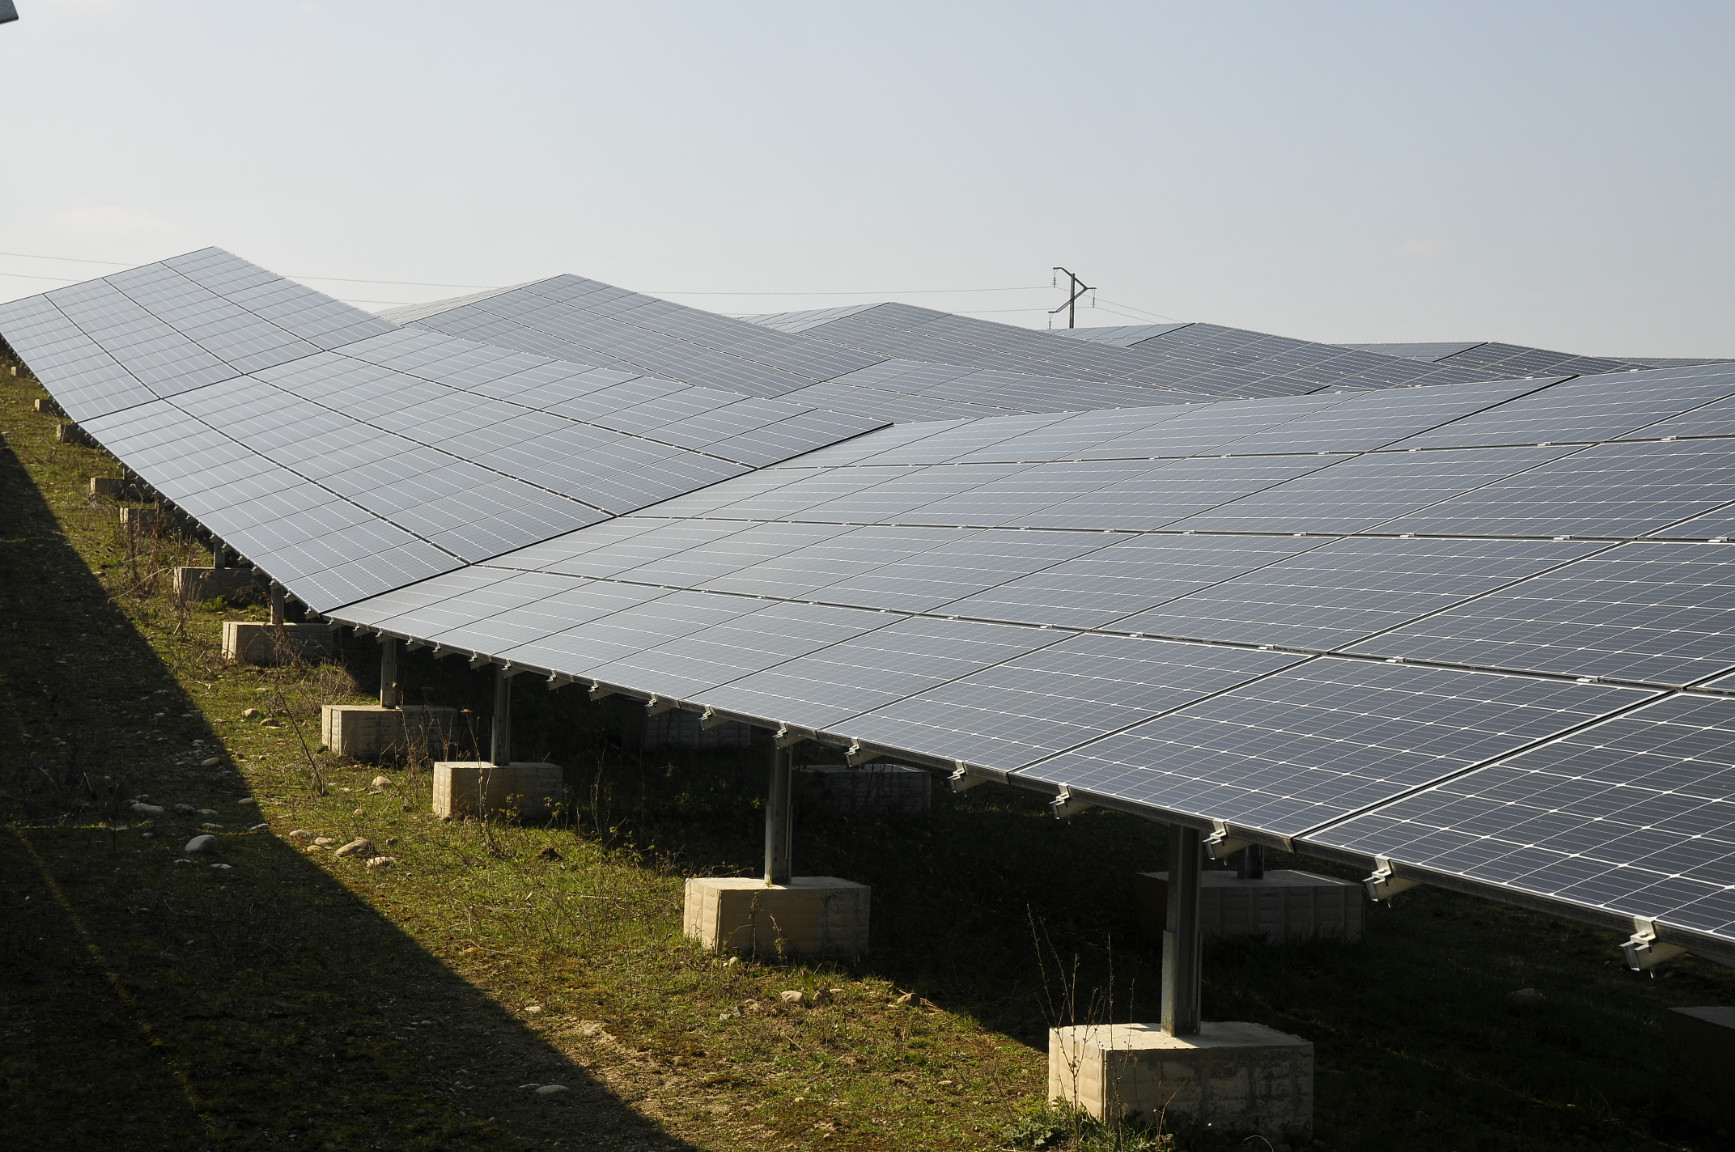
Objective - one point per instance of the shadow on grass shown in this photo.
(150, 1001)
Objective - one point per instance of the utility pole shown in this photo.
(1079, 288)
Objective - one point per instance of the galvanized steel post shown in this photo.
(1181, 935)
(779, 826)
(501, 752)
(389, 696)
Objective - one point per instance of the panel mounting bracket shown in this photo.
(559, 680)
(1385, 883)
(787, 737)
(961, 780)
(412, 645)
(656, 706)
(1644, 951)
(478, 660)
(855, 756)
(599, 691)
(1220, 844)
(709, 719)
(1065, 807)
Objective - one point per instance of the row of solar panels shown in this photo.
(1488, 359)
(1340, 621)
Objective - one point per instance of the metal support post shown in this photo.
(278, 600)
(389, 696)
(219, 556)
(1252, 866)
(1181, 935)
(501, 752)
(779, 825)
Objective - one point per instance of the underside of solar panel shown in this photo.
(1465, 608)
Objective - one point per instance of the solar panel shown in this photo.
(1586, 410)
(906, 657)
(1615, 490)
(1078, 690)
(1349, 589)
(1323, 740)
(1126, 575)
(1656, 613)
(1362, 492)
(1634, 815)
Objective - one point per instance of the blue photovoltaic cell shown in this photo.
(1635, 816)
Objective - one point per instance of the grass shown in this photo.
(297, 1000)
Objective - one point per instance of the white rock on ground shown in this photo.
(380, 861)
(381, 782)
(301, 834)
(550, 1089)
(204, 843)
(359, 845)
(210, 762)
(147, 809)
(324, 841)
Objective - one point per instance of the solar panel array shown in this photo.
(1478, 629)
(1518, 359)
(1204, 359)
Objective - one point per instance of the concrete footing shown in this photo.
(1239, 1078)
(868, 791)
(256, 642)
(113, 487)
(809, 916)
(1701, 1043)
(370, 732)
(525, 789)
(197, 585)
(1282, 906)
(45, 403)
(140, 519)
(73, 434)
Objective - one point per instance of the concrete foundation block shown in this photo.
(370, 732)
(870, 790)
(140, 519)
(113, 487)
(1701, 1045)
(45, 403)
(526, 789)
(809, 916)
(255, 642)
(73, 434)
(1282, 906)
(1239, 1078)
(197, 585)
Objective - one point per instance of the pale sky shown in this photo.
(1560, 174)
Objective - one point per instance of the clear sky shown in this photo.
(1559, 174)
